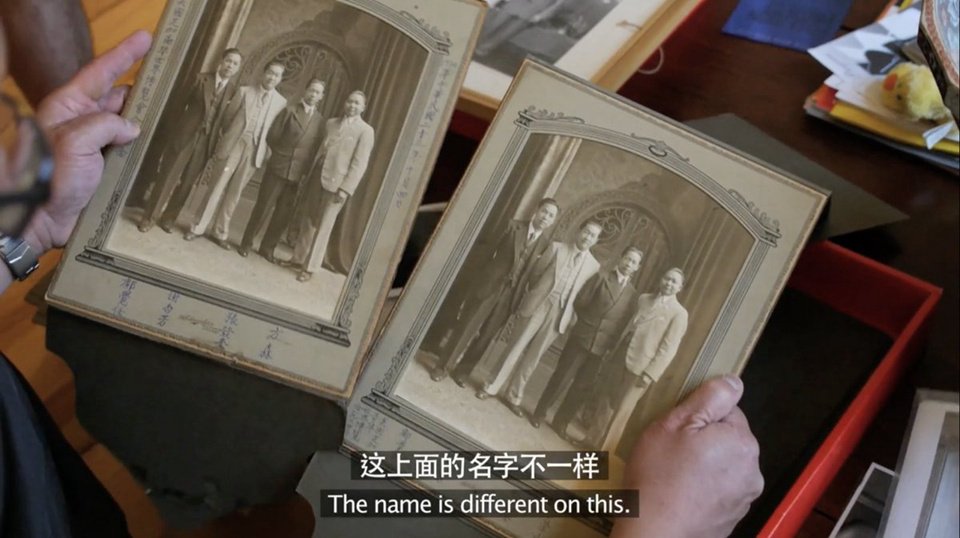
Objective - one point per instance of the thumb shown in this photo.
(91, 133)
(710, 403)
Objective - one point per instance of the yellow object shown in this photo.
(910, 88)
(865, 120)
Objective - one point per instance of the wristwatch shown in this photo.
(19, 257)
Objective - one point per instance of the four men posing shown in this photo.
(619, 342)
(251, 128)
(533, 290)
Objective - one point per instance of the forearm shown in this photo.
(49, 42)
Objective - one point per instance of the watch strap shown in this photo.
(18, 256)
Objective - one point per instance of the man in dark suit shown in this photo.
(511, 17)
(576, 19)
(194, 130)
(294, 139)
(343, 160)
(487, 307)
(642, 355)
(603, 307)
(544, 311)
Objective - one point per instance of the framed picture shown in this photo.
(597, 263)
(923, 502)
(863, 512)
(259, 218)
(604, 41)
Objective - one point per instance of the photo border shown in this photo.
(762, 228)
(374, 419)
(336, 330)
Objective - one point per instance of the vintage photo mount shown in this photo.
(376, 403)
(447, 58)
(338, 329)
(763, 228)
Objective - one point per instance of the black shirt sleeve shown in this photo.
(46, 489)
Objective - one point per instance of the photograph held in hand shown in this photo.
(259, 218)
(597, 264)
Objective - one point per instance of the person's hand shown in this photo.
(80, 119)
(341, 196)
(696, 469)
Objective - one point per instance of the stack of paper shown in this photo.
(851, 96)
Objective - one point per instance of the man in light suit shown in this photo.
(603, 308)
(511, 17)
(294, 139)
(642, 356)
(544, 311)
(241, 150)
(194, 130)
(488, 305)
(344, 156)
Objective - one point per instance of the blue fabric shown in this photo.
(792, 24)
(46, 490)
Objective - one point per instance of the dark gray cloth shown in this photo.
(46, 490)
(205, 439)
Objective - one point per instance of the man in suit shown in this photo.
(487, 306)
(544, 311)
(194, 130)
(511, 17)
(294, 139)
(603, 307)
(642, 356)
(240, 151)
(343, 159)
(576, 19)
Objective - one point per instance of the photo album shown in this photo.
(597, 262)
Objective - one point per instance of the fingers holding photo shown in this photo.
(92, 89)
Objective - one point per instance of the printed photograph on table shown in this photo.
(597, 263)
(546, 29)
(604, 41)
(284, 147)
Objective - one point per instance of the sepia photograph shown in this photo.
(597, 263)
(259, 217)
(271, 151)
(583, 302)
(544, 29)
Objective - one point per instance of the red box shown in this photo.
(888, 300)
